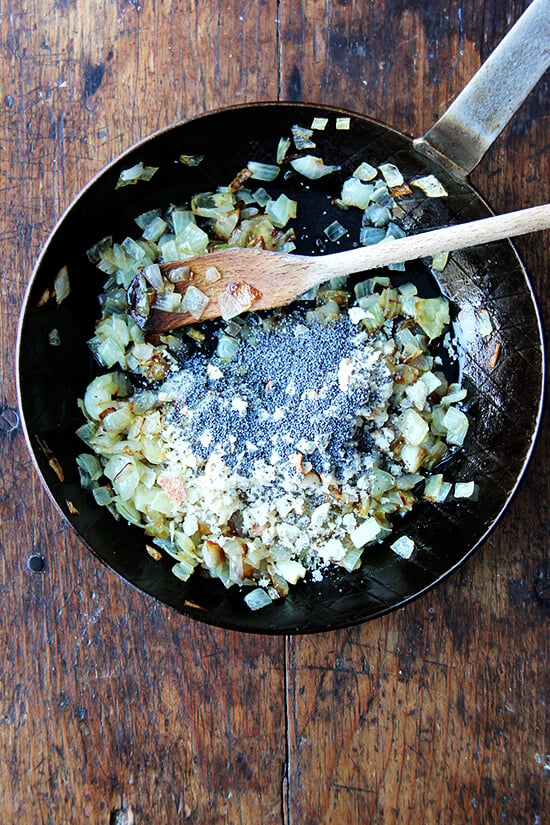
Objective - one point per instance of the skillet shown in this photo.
(505, 395)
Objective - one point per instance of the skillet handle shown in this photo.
(461, 136)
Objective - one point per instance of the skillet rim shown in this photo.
(190, 612)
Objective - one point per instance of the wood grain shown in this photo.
(437, 713)
(103, 692)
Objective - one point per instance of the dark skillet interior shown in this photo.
(504, 401)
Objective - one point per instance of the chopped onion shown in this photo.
(302, 137)
(169, 302)
(128, 253)
(150, 500)
(382, 482)
(418, 394)
(212, 204)
(237, 298)
(257, 599)
(191, 160)
(408, 291)
(367, 287)
(456, 424)
(393, 231)
(102, 495)
(365, 172)
(182, 570)
(403, 546)
(153, 274)
(431, 382)
(370, 235)
(455, 393)
(343, 123)
(195, 301)
(211, 275)
(412, 457)
(146, 218)
(89, 470)
(464, 489)
(168, 249)
(155, 229)
(129, 430)
(135, 173)
(312, 167)
(334, 231)
(373, 318)
(409, 342)
(282, 148)
(290, 570)
(356, 193)
(484, 322)
(44, 298)
(122, 471)
(435, 489)
(261, 197)
(431, 186)
(377, 215)
(391, 174)
(102, 390)
(365, 533)
(249, 212)
(180, 219)
(127, 510)
(192, 240)
(408, 481)
(61, 285)
(196, 334)
(263, 171)
(118, 420)
(401, 191)
(432, 314)
(225, 225)
(213, 554)
(54, 339)
(381, 195)
(439, 261)
(319, 123)
(246, 196)
(352, 559)
(143, 351)
(281, 210)
(179, 273)
(109, 352)
(239, 180)
(325, 313)
(413, 427)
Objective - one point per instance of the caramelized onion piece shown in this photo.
(237, 298)
(139, 298)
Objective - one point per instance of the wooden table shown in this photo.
(434, 714)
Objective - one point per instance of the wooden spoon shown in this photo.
(273, 279)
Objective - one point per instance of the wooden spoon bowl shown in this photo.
(238, 279)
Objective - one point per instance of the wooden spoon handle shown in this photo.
(446, 239)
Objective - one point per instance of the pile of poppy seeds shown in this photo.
(298, 387)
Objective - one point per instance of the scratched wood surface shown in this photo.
(437, 713)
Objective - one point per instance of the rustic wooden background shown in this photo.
(437, 713)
